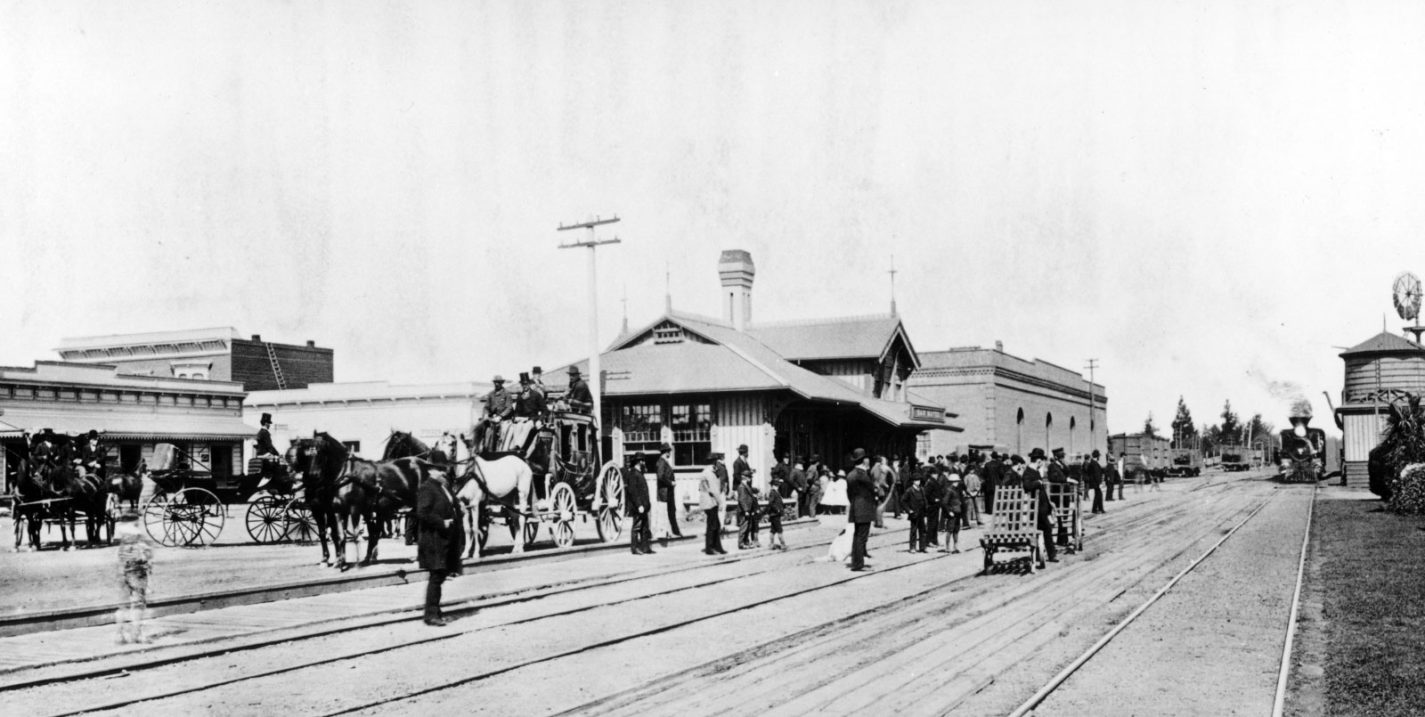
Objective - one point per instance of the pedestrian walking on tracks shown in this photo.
(135, 567)
(438, 517)
(710, 500)
(637, 508)
(861, 512)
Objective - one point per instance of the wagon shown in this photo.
(570, 482)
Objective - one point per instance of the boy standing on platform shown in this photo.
(774, 514)
(747, 510)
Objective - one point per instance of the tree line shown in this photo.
(1230, 431)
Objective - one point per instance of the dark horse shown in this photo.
(348, 490)
(55, 488)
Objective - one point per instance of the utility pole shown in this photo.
(1093, 364)
(596, 387)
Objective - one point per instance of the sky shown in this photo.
(1212, 199)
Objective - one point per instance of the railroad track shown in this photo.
(956, 600)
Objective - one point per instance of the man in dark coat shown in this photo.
(667, 488)
(1033, 484)
(1093, 475)
(438, 515)
(579, 398)
(861, 495)
(913, 500)
(498, 407)
(265, 451)
(91, 455)
(934, 490)
(530, 403)
(635, 494)
(799, 484)
(1059, 475)
(991, 479)
(741, 470)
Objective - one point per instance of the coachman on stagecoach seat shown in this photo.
(579, 397)
(498, 407)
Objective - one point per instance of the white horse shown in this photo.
(494, 479)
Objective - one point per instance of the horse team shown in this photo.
(58, 479)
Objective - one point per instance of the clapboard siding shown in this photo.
(743, 420)
(1362, 434)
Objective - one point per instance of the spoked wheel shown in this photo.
(155, 521)
(562, 512)
(266, 521)
(193, 517)
(610, 523)
(298, 523)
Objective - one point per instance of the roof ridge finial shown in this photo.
(892, 272)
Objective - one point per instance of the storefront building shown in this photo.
(132, 414)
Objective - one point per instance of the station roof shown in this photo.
(156, 427)
(728, 360)
(845, 338)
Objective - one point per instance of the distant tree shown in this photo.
(1148, 428)
(1184, 431)
(1230, 430)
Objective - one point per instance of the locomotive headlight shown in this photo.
(1299, 430)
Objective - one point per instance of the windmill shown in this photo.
(1406, 293)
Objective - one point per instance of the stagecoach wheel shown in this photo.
(298, 523)
(265, 520)
(562, 505)
(156, 522)
(610, 522)
(197, 516)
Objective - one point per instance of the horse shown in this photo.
(50, 485)
(318, 493)
(505, 479)
(355, 489)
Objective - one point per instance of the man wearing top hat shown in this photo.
(265, 450)
(498, 407)
(91, 456)
(579, 398)
(530, 403)
(861, 511)
(637, 508)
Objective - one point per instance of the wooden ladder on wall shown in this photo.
(276, 367)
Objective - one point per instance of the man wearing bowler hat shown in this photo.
(498, 407)
(861, 494)
(579, 398)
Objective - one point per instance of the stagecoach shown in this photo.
(570, 481)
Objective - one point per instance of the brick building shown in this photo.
(1008, 403)
(217, 354)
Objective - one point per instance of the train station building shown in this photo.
(132, 413)
(1007, 403)
(821, 387)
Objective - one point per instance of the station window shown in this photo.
(692, 433)
(642, 426)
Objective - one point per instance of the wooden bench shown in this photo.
(1014, 526)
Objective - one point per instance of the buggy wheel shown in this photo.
(298, 523)
(156, 523)
(265, 519)
(562, 504)
(195, 517)
(610, 522)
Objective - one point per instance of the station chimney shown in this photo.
(735, 269)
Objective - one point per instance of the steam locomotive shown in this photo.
(1303, 451)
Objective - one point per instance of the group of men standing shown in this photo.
(531, 403)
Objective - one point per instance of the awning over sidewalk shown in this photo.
(140, 428)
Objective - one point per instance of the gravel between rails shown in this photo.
(1213, 644)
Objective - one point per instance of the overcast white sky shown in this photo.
(1208, 197)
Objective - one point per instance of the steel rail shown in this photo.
(463, 606)
(1279, 702)
(1054, 683)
